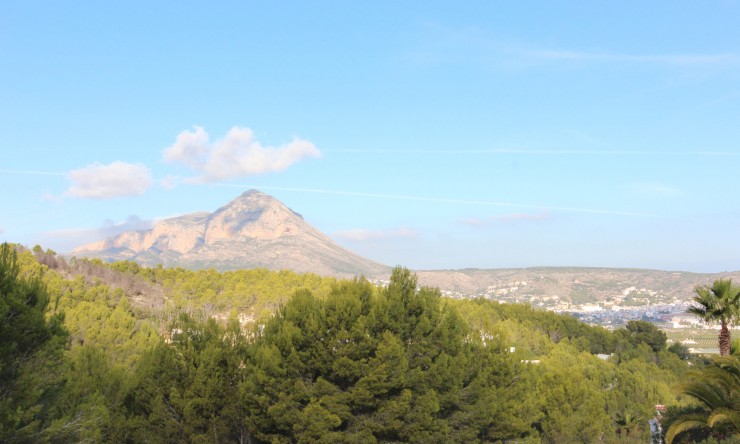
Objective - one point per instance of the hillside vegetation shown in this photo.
(121, 353)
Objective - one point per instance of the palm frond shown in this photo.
(684, 424)
(717, 388)
(724, 417)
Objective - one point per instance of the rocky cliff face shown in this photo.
(253, 230)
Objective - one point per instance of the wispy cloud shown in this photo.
(599, 56)
(654, 189)
(508, 218)
(117, 179)
(66, 240)
(489, 203)
(33, 173)
(519, 50)
(580, 135)
(453, 45)
(170, 182)
(51, 197)
(360, 234)
(239, 153)
(2, 230)
(534, 152)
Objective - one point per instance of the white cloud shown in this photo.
(117, 179)
(2, 230)
(133, 222)
(191, 148)
(237, 154)
(360, 234)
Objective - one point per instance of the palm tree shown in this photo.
(718, 303)
(628, 423)
(717, 388)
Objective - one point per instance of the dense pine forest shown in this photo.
(96, 352)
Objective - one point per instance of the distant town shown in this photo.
(631, 303)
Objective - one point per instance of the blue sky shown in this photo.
(427, 134)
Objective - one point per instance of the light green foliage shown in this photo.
(94, 313)
(248, 291)
(573, 388)
(582, 397)
(485, 315)
(100, 316)
(637, 386)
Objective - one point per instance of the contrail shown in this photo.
(33, 173)
(544, 152)
(390, 196)
(436, 200)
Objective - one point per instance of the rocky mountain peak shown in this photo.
(253, 230)
(254, 200)
(253, 215)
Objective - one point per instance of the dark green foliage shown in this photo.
(629, 424)
(188, 391)
(30, 348)
(89, 405)
(397, 367)
(680, 350)
(716, 388)
(719, 303)
(638, 332)
(685, 411)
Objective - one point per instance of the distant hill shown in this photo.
(253, 230)
(573, 284)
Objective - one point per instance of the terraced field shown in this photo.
(699, 339)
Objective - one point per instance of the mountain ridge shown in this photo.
(253, 230)
(572, 284)
(256, 230)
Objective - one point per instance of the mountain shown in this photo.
(253, 230)
(257, 230)
(573, 285)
